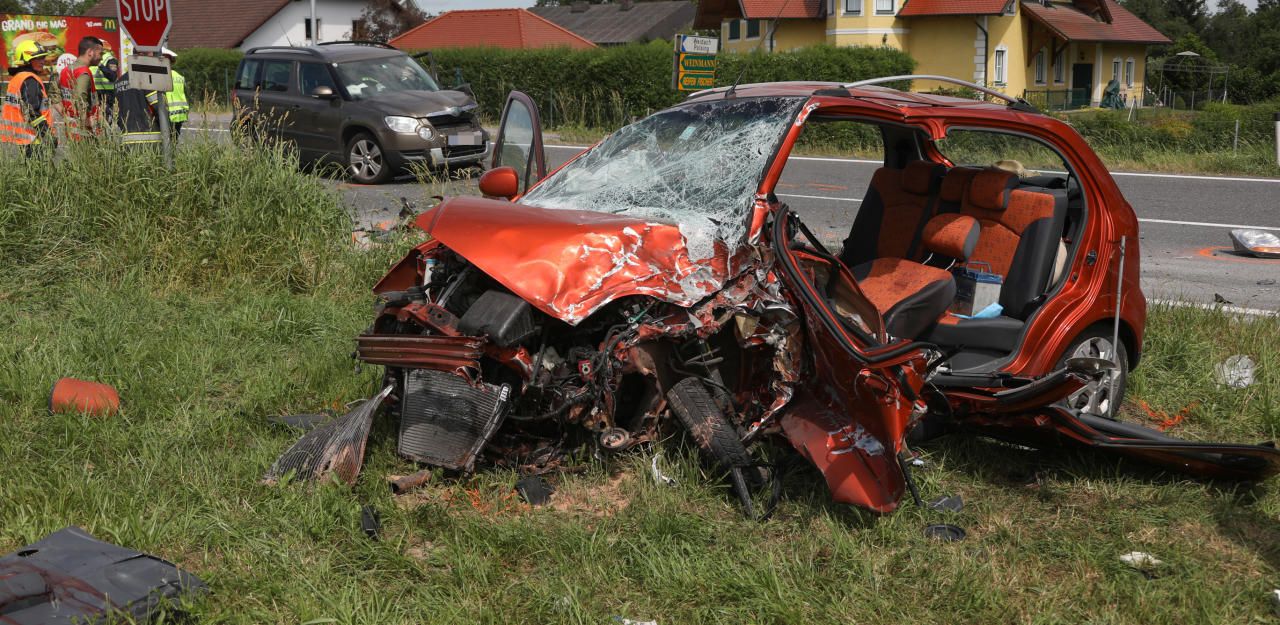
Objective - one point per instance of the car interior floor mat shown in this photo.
(71, 577)
(336, 447)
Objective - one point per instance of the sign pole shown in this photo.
(162, 111)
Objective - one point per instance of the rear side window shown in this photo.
(981, 148)
(276, 74)
(247, 77)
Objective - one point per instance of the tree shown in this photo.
(382, 20)
(1193, 13)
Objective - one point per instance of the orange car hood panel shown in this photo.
(569, 263)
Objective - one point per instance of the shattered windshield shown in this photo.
(697, 166)
(372, 77)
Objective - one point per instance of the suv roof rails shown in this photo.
(360, 42)
(284, 49)
(1017, 104)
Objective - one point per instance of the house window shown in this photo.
(1128, 72)
(1060, 67)
(1115, 70)
(831, 7)
(884, 7)
(753, 29)
(1040, 69)
(1002, 55)
(735, 30)
(307, 27)
(853, 7)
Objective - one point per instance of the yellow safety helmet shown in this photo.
(28, 51)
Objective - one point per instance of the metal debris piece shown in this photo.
(71, 577)
(401, 484)
(534, 490)
(304, 422)
(947, 503)
(445, 421)
(1259, 243)
(660, 478)
(627, 621)
(370, 522)
(1235, 372)
(945, 533)
(337, 447)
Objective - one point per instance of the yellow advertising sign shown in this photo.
(695, 63)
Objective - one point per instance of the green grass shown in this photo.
(203, 351)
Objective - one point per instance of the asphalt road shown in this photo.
(1185, 221)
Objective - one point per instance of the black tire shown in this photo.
(1104, 397)
(697, 411)
(366, 162)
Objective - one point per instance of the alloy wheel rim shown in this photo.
(1096, 397)
(366, 159)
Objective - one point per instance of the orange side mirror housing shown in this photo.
(500, 182)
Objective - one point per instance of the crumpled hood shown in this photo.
(569, 263)
(418, 103)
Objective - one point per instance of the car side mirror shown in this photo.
(501, 182)
(323, 92)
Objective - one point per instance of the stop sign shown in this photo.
(147, 22)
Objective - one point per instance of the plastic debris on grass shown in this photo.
(1235, 372)
(1165, 421)
(1142, 562)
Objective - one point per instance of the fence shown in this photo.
(1057, 99)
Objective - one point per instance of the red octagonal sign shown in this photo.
(147, 22)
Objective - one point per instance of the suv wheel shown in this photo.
(366, 162)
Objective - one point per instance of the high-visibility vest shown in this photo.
(67, 84)
(14, 126)
(176, 100)
(100, 81)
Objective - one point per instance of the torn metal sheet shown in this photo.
(335, 448)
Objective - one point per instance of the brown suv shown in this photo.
(365, 104)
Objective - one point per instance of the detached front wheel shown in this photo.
(1103, 396)
(699, 413)
(366, 162)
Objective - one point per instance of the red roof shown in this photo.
(497, 28)
(1072, 24)
(921, 8)
(206, 24)
(712, 12)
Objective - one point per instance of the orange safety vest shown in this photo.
(14, 127)
(67, 83)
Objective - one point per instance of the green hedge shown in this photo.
(1210, 130)
(607, 87)
(596, 88)
(209, 72)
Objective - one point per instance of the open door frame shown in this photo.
(536, 167)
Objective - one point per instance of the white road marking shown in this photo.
(1132, 174)
(819, 197)
(1238, 310)
(1205, 224)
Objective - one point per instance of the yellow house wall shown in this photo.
(1008, 31)
(793, 34)
(942, 46)
(867, 28)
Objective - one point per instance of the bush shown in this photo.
(209, 72)
(607, 87)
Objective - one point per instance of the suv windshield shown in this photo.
(373, 77)
(697, 166)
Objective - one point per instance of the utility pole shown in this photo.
(315, 27)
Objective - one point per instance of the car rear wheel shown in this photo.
(366, 162)
(1104, 396)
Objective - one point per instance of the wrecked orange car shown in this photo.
(656, 282)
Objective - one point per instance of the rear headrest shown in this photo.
(990, 189)
(952, 235)
(918, 176)
(955, 182)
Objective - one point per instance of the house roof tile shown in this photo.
(1072, 24)
(608, 24)
(208, 24)
(922, 8)
(499, 28)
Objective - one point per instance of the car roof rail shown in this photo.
(360, 42)
(283, 49)
(1014, 103)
